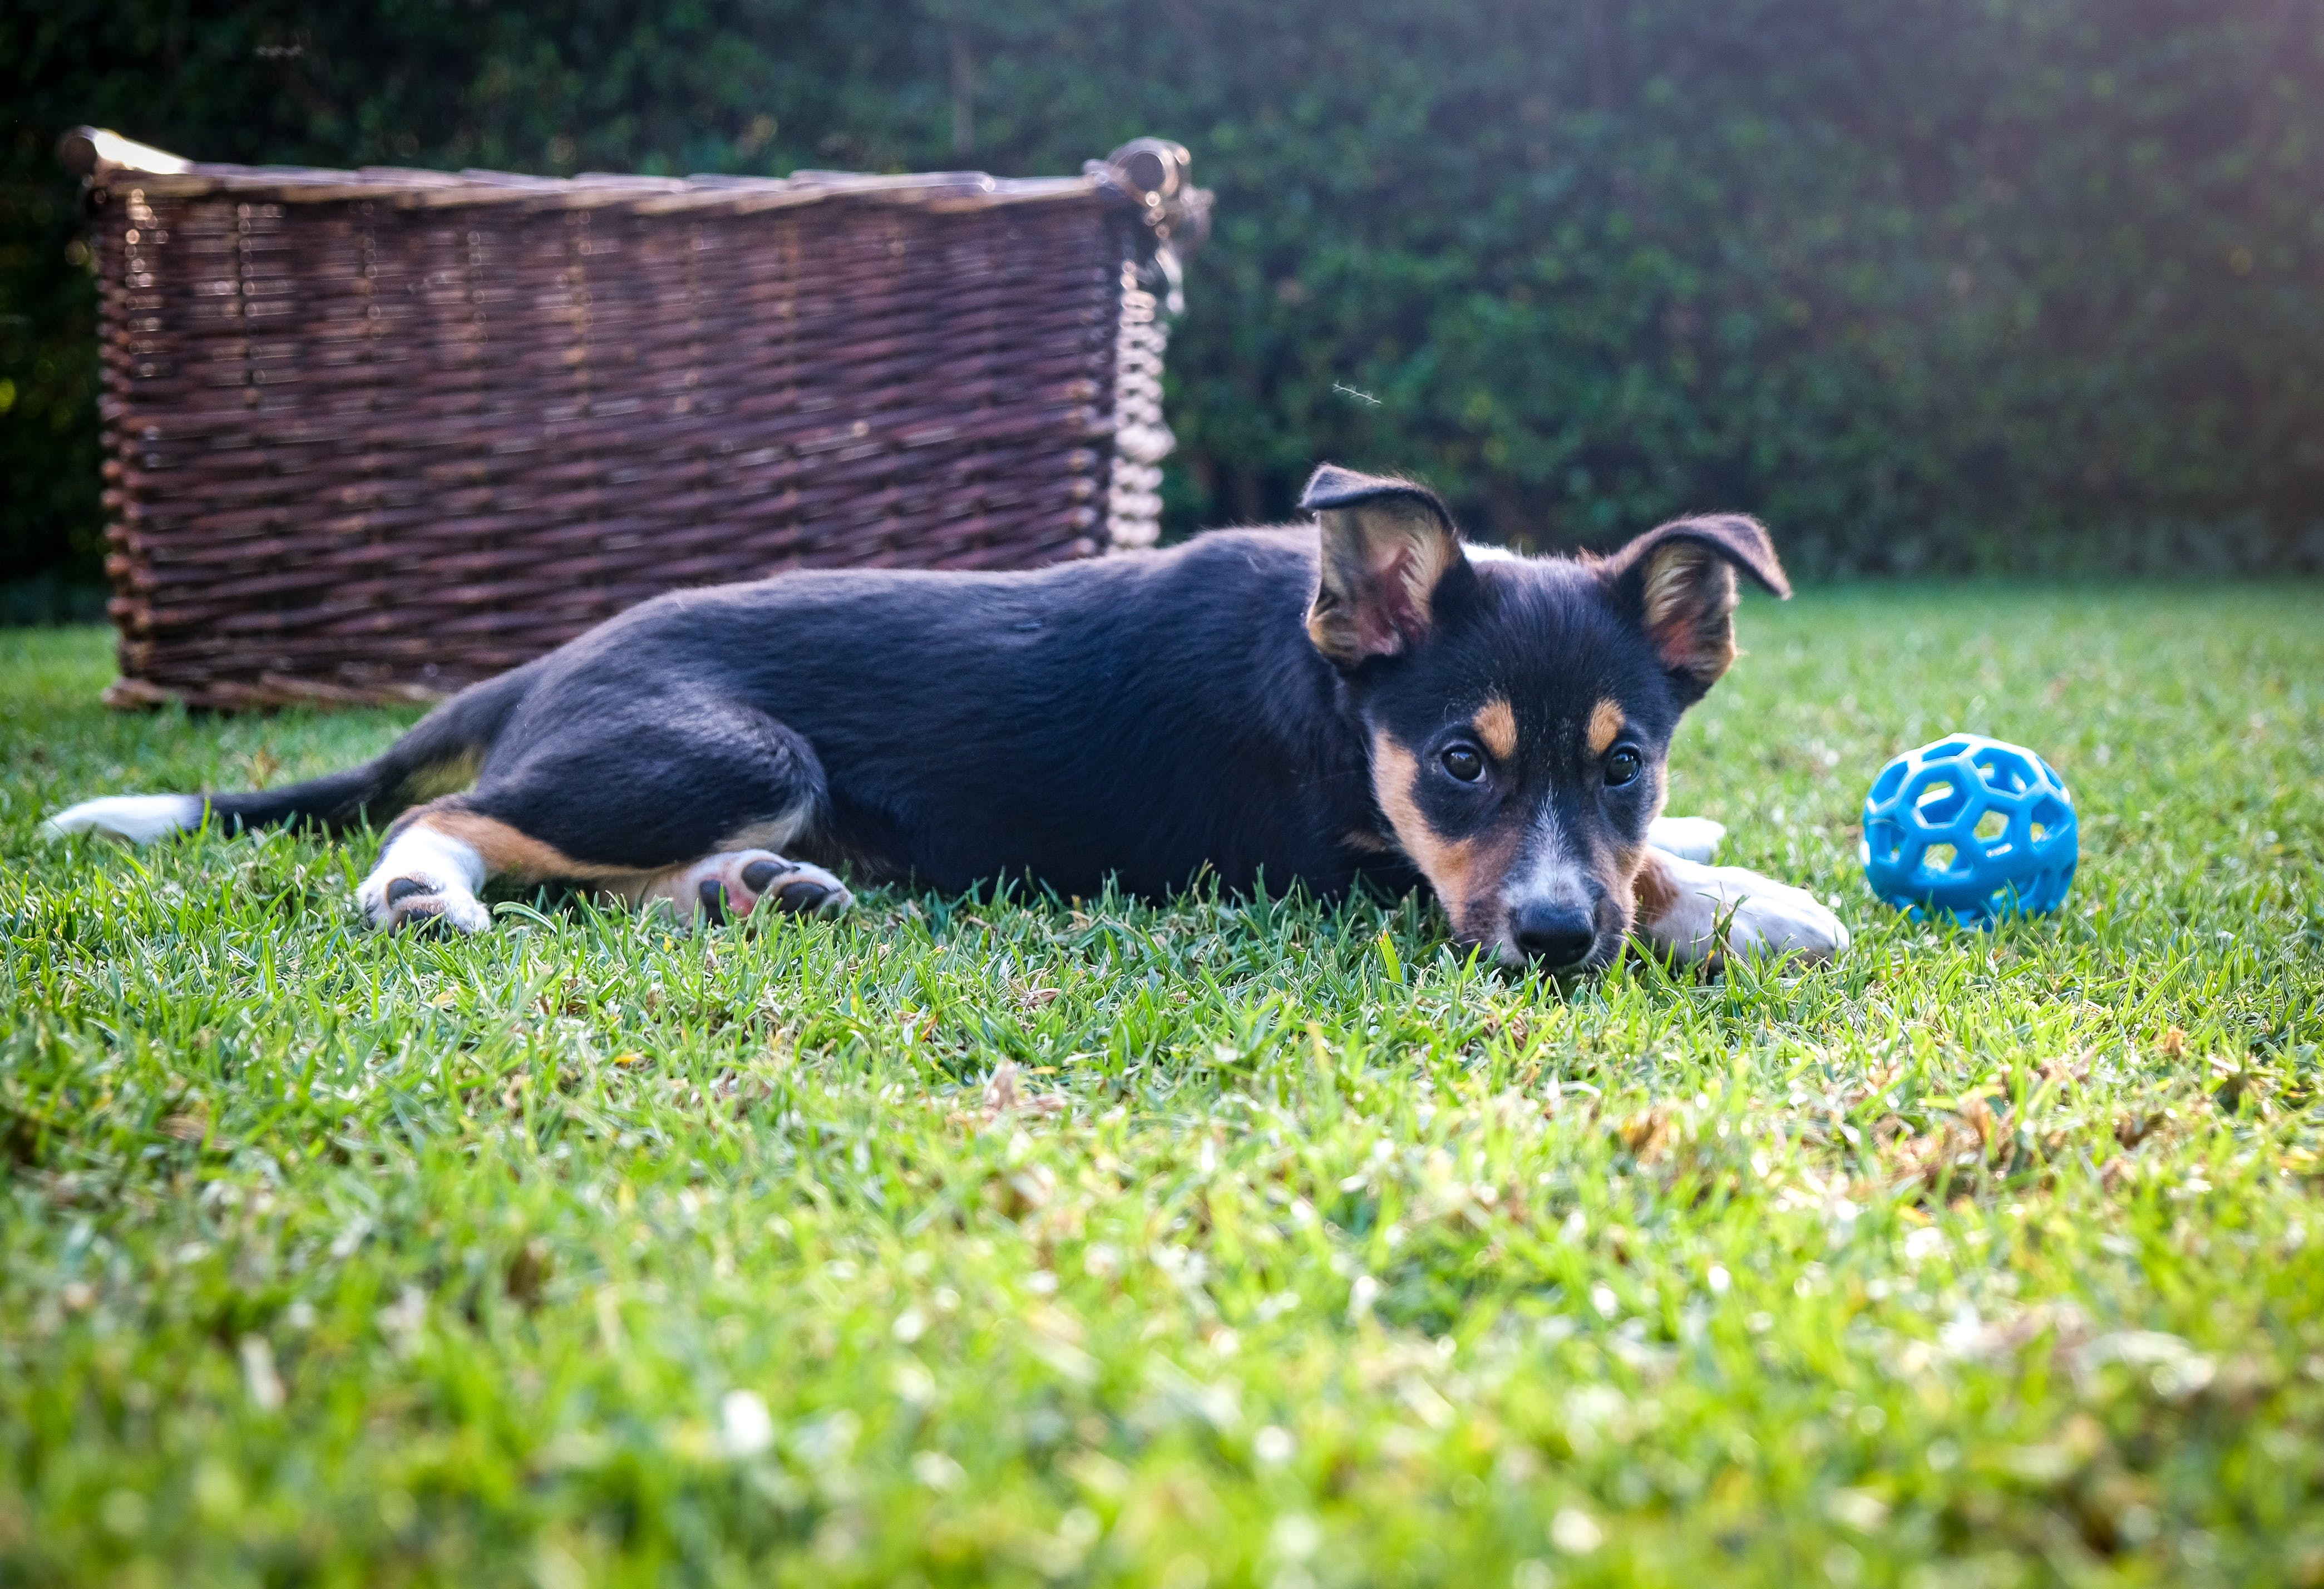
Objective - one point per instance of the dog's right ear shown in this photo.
(1678, 582)
(1387, 547)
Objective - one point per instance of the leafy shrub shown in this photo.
(1939, 285)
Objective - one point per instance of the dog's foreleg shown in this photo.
(1702, 914)
(1693, 838)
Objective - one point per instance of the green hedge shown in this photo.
(1932, 284)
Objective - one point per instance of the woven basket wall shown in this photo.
(374, 435)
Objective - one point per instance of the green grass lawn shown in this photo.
(1308, 1255)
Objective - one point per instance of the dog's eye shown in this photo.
(1464, 761)
(1622, 766)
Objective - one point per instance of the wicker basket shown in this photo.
(374, 434)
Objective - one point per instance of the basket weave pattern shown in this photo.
(373, 436)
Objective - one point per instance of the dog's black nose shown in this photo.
(1557, 936)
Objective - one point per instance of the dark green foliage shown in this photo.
(1941, 284)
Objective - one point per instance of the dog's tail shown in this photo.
(439, 755)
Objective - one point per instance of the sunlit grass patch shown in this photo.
(1213, 1242)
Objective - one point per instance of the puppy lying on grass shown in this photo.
(1364, 697)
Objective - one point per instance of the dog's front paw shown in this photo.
(1702, 913)
(1775, 920)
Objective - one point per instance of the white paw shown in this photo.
(132, 819)
(1692, 839)
(736, 882)
(425, 876)
(414, 898)
(1711, 913)
(1775, 920)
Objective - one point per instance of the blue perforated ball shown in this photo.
(1971, 826)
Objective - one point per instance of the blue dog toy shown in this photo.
(1971, 826)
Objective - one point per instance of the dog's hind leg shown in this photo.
(425, 873)
(433, 865)
(690, 803)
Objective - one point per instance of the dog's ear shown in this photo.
(1388, 548)
(1678, 582)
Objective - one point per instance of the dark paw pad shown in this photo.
(802, 897)
(712, 895)
(405, 888)
(759, 874)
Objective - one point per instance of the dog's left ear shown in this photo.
(1388, 548)
(1678, 582)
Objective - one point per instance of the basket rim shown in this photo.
(101, 156)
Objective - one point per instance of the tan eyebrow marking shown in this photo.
(1606, 726)
(1497, 726)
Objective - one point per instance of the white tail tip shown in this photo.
(133, 818)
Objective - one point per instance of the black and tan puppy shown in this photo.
(1364, 696)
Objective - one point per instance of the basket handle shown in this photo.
(92, 152)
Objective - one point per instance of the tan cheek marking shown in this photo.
(1445, 862)
(1465, 873)
(1653, 889)
(1606, 724)
(1620, 881)
(1497, 726)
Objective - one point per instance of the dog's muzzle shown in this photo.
(1553, 937)
(1562, 935)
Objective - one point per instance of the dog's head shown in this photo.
(1519, 710)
